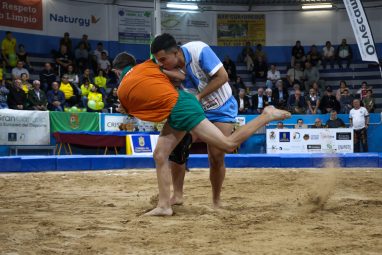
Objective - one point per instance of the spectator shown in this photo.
(295, 75)
(260, 70)
(318, 123)
(260, 53)
(344, 53)
(47, 77)
(81, 56)
(16, 97)
(341, 89)
(361, 93)
(334, 121)
(242, 102)
(258, 101)
(112, 101)
(314, 56)
(2, 77)
(359, 120)
(280, 125)
(369, 101)
(84, 40)
(273, 75)
(329, 102)
(104, 63)
(87, 74)
(311, 75)
(100, 80)
(247, 56)
(25, 83)
(328, 55)
(300, 124)
(296, 103)
(298, 54)
(313, 102)
(97, 54)
(85, 89)
(73, 76)
(8, 50)
(56, 98)
(63, 59)
(3, 96)
(95, 100)
(319, 90)
(22, 55)
(69, 90)
(239, 84)
(37, 99)
(230, 67)
(346, 101)
(280, 94)
(18, 70)
(270, 98)
(67, 42)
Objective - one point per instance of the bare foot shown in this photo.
(176, 200)
(276, 114)
(158, 211)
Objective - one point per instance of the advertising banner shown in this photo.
(315, 140)
(24, 127)
(141, 144)
(134, 26)
(67, 121)
(237, 29)
(112, 121)
(21, 14)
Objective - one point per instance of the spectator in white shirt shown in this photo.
(359, 120)
(104, 63)
(18, 70)
(328, 55)
(273, 75)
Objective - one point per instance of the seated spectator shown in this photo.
(280, 94)
(329, 102)
(81, 56)
(95, 100)
(56, 98)
(318, 123)
(16, 97)
(104, 63)
(25, 83)
(361, 93)
(311, 75)
(270, 98)
(328, 55)
(70, 92)
(313, 102)
(97, 55)
(85, 41)
(2, 77)
(300, 124)
(22, 55)
(260, 53)
(242, 102)
(334, 121)
(37, 100)
(298, 54)
(73, 76)
(18, 70)
(258, 101)
(3, 96)
(85, 89)
(67, 42)
(341, 89)
(369, 101)
(112, 101)
(319, 90)
(230, 67)
(63, 59)
(87, 74)
(247, 56)
(346, 100)
(314, 56)
(295, 75)
(8, 50)
(260, 70)
(47, 77)
(344, 53)
(237, 85)
(273, 75)
(100, 80)
(280, 125)
(296, 103)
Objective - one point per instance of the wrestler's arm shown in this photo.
(176, 76)
(217, 80)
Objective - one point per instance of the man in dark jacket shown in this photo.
(17, 97)
(37, 99)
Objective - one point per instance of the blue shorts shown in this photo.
(226, 113)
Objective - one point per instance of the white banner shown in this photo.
(24, 127)
(134, 26)
(111, 122)
(314, 140)
(77, 18)
(361, 30)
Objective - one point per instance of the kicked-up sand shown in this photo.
(265, 211)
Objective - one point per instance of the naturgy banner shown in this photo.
(67, 121)
(21, 14)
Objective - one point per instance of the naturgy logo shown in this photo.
(82, 22)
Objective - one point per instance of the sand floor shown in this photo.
(265, 211)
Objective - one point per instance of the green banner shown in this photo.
(69, 121)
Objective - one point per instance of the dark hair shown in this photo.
(123, 59)
(164, 42)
